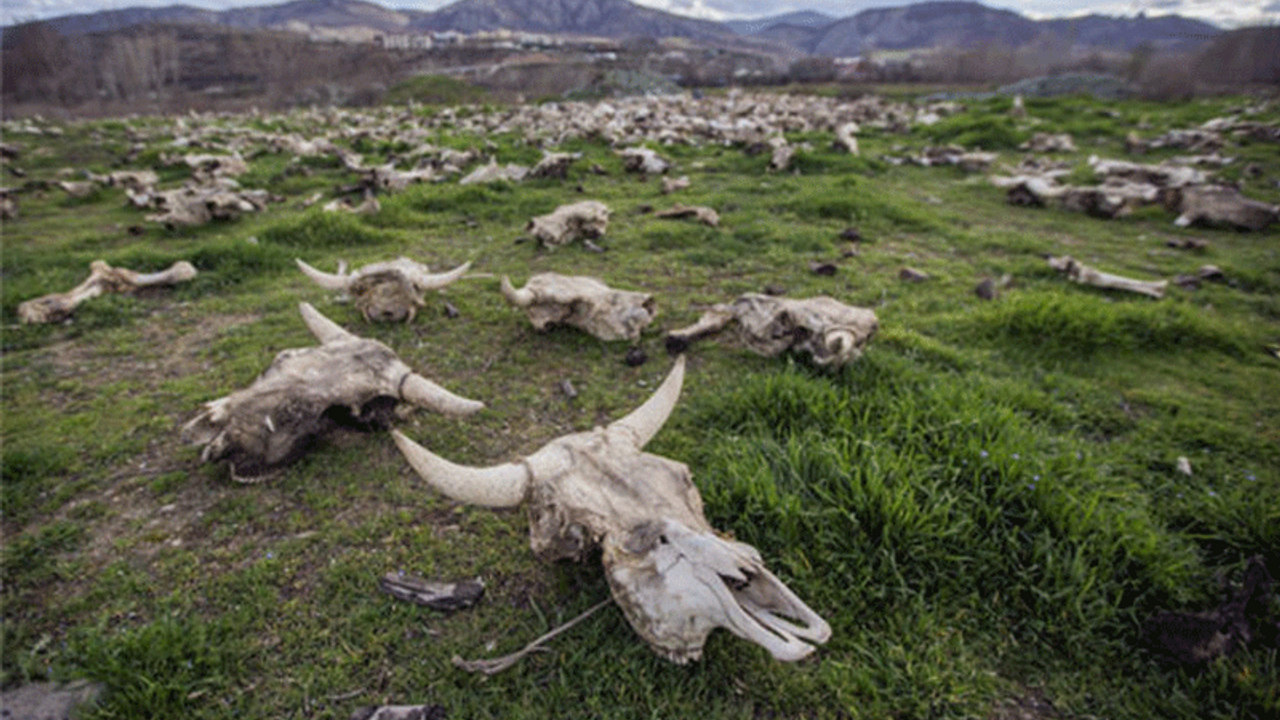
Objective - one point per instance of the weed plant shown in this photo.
(987, 506)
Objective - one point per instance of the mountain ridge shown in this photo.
(926, 24)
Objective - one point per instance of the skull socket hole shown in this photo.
(375, 414)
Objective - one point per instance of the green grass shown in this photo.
(985, 507)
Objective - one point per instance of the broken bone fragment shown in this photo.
(584, 220)
(103, 278)
(346, 381)
(670, 185)
(582, 302)
(435, 594)
(674, 577)
(702, 214)
(385, 291)
(830, 332)
(1085, 275)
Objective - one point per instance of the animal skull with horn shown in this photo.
(832, 333)
(583, 302)
(675, 578)
(306, 392)
(385, 291)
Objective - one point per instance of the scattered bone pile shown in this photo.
(674, 577)
(1179, 184)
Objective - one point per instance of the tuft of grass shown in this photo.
(976, 130)
(174, 666)
(317, 229)
(1082, 325)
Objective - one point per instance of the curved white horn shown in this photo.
(501, 486)
(427, 281)
(522, 297)
(325, 280)
(421, 391)
(645, 421)
(325, 330)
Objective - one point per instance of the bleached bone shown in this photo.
(832, 333)
(389, 177)
(704, 215)
(643, 160)
(370, 205)
(1042, 142)
(674, 577)
(1085, 275)
(670, 185)
(305, 393)
(211, 166)
(1019, 109)
(846, 137)
(385, 291)
(493, 172)
(554, 164)
(1219, 205)
(102, 278)
(197, 204)
(582, 302)
(1161, 175)
(782, 153)
(970, 161)
(581, 220)
(78, 189)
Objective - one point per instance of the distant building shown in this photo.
(404, 41)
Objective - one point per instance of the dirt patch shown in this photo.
(1032, 704)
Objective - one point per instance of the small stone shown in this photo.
(825, 269)
(636, 357)
(986, 289)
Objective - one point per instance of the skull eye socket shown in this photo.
(644, 538)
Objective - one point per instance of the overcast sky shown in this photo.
(1225, 13)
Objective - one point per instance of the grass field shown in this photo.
(985, 507)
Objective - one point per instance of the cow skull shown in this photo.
(103, 278)
(385, 291)
(582, 302)
(346, 380)
(584, 220)
(832, 333)
(674, 577)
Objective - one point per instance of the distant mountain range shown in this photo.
(934, 24)
(929, 24)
